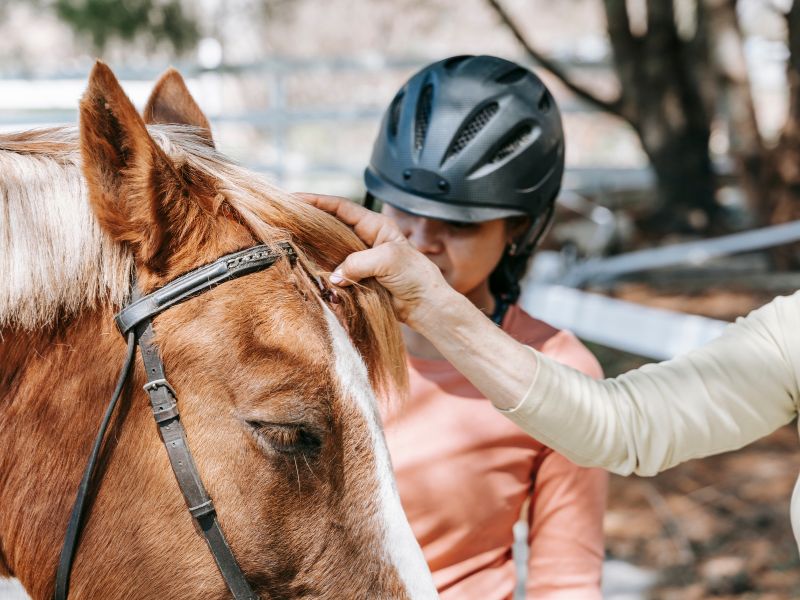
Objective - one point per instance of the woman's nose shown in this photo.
(424, 235)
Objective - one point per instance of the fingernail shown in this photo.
(336, 277)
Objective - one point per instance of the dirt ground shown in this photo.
(717, 527)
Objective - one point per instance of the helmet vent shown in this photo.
(452, 63)
(544, 102)
(394, 113)
(423, 117)
(471, 129)
(518, 139)
(512, 76)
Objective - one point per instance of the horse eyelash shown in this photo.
(314, 475)
(297, 470)
(286, 440)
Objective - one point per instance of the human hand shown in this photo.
(415, 283)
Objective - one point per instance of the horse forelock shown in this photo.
(322, 241)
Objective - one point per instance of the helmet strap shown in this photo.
(527, 242)
(521, 247)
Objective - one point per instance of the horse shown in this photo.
(276, 376)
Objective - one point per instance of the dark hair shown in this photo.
(504, 282)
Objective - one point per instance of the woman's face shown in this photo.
(466, 253)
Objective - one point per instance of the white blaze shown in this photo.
(400, 544)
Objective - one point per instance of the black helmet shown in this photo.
(470, 139)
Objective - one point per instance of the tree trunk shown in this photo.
(665, 98)
(686, 183)
(737, 108)
(780, 174)
(786, 155)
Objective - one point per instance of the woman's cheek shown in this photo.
(468, 268)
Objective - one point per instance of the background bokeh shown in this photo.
(681, 119)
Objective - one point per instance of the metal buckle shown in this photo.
(201, 510)
(152, 386)
(162, 411)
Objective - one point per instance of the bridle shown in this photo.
(135, 323)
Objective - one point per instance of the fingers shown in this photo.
(342, 208)
(373, 228)
(323, 201)
(374, 262)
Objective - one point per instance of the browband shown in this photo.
(226, 268)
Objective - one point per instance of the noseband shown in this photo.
(135, 323)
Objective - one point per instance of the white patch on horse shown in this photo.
(400, 544)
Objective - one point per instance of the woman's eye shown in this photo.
(286, 439)
(461, 226)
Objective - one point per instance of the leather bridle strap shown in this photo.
(76, 516)
(163, 402)
(134, 322)
(194, 282)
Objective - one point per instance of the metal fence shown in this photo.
(273, 116)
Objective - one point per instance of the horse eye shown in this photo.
(286, 438)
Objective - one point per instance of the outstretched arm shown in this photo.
(732, 391)
(718, 398)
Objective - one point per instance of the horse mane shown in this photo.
(55, 260)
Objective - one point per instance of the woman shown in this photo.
(468, 162)
(720, 397)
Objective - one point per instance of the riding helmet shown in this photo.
(469, 139)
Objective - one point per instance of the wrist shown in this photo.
(443, 312)
(496, 364)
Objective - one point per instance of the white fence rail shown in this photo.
(652, 332)
(550, 293)
(692, 253)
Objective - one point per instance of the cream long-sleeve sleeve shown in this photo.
(720, 397)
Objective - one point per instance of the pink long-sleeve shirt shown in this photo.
(464, 472)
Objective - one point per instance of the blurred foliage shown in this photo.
(156, 21)
(274, 8)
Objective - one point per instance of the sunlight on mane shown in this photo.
(54, 258)
(323, 242)
(56, 261)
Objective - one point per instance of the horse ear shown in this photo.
(171, 102)
(131, 180)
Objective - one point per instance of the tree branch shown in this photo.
(660, 15)
(628, 54)
(613, 106)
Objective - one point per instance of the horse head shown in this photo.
(274, 376)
